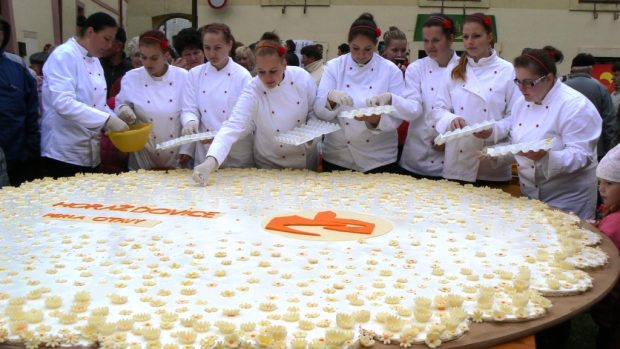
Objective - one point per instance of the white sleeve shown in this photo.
(328, 82)
(580, 128)
(311, 90)
(237, 125)
(123, 97)
(409, 105)
(390, 122)
(60, 74)
(501, 129)
(189, 107)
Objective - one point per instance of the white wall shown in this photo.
(523, 23)
(34, 27)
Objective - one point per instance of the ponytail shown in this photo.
(459, 72)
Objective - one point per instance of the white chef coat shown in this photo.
(209, 98)
(566, 177)
(74, 106)
(423, 79)
(487, 94)
(355, 146)
(156, 100)
(267, 112)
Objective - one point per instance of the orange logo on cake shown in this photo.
(329, 225)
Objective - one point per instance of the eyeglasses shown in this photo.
(528, 82)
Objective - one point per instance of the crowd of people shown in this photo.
(97, 82)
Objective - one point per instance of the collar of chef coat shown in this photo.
(555, 90)
(451, 63)
(285, 82)
(226, 68)
(482, 61)
(167, 75)
(81, 49)
(352, 65)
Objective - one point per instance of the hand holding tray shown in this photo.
(367, 111)
(544, 144)
(462, 132)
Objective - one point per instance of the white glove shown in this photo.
(126, 114)
(115, 124)
(382, 99)
(340, 98)
(190, 127)
(202, 171)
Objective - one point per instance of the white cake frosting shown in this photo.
(148, 259)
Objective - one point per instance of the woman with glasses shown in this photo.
(565, 176)
(479, 88)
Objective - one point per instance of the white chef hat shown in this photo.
(609, 167)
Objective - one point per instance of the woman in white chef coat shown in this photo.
(211, 92)
(477, 89)
(74, 101)
(565, 176)
(278, 99)
(152, 94)
(355, 80)
(423, 79)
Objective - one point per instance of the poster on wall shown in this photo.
(602, 72)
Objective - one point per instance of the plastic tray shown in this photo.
(311, 130)
(368, 111)
(462, 132)
(177, 142)
(544, 144)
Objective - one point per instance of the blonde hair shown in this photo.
(393, 34)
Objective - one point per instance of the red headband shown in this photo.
(280, 49)
(162, 43)
(538, 61)
(445, 23)
(375, 29)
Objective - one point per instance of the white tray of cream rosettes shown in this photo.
(500, 150)
(307, 132)
(462, 132)
(177, 142)
(367, 111)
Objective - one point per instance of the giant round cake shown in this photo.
(276, 259)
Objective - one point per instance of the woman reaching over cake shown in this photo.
(74, 101)
(358, 79)
(564, 176)
(477, 89)
(421, 157)
(279, 99)
(606, 313)
(211, 92)
(152, 94)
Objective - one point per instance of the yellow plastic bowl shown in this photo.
(132, 140)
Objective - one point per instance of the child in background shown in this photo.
(606, 313)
